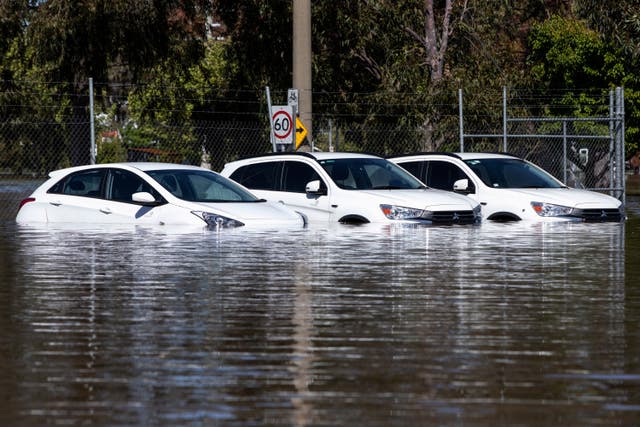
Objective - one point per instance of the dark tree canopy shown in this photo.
(371, 59)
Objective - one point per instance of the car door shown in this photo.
(295, 177)
(77, 197)
(119, 207)
(416, 168)
(262, 178)
(442, 174)
(273, 181)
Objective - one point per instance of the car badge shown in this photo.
(603, 214)
(456, 217)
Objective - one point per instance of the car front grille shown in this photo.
(599, 215)
(453, 217)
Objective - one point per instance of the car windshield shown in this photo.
(511, 173)
(201, 186)
(368, 173)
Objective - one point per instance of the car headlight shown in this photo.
(548, 209)
(217, 221)
(400, 212)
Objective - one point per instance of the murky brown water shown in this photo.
(500, 324)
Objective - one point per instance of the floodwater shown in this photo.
(497, 324)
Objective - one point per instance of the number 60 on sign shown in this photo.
(282, 124)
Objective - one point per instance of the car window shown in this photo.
(511, 173)
(368, 174)
(259, 176)
(201, 186)
(85, 183)
(442, 175)
(122, 184)
(297, 175)
(341, 174)
(414, 168)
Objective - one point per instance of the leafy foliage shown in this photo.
(566, 54)
(375, 62)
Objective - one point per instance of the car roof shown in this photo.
(341, 155)
(462, 156)
(471, 156)
(142, 166)
(147, 166)
(318, 155)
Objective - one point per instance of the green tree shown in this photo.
(618, 23)
(168, 111)
(112, 41)
(566, 54)
(260, 33)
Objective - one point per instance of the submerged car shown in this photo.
(349, 188)
(149, 194)
(509, 188)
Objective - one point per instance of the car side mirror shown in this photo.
(144, 198)
(461, 186)
(313, 188)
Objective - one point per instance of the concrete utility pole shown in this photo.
(302, 60)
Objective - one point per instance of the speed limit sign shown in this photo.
(282, 124)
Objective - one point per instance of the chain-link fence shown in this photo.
(48, 130)
(582, 152)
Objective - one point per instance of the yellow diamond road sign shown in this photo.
(301, 133)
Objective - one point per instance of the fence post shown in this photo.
(622, 153)
(92, 131)
(564, 152)
(461, 120)
(620, 141)
(330, 136)
(613, 149)
(504, 119)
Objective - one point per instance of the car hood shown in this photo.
(427, 199)
(571, 197)
(251, 211)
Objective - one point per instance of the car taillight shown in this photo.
(27, 200)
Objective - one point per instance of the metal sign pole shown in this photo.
(273, 140)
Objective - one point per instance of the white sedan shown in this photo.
(150, 194)
(509, 188)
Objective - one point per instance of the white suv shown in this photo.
(349, 188)
(509, 188)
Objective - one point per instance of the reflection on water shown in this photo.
(495, 324)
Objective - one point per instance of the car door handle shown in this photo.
(105, 211)
(55, 203)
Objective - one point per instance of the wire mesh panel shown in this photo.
(48, 128)
(583, 152)
(374, 137)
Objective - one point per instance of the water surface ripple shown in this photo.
(498, 324)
